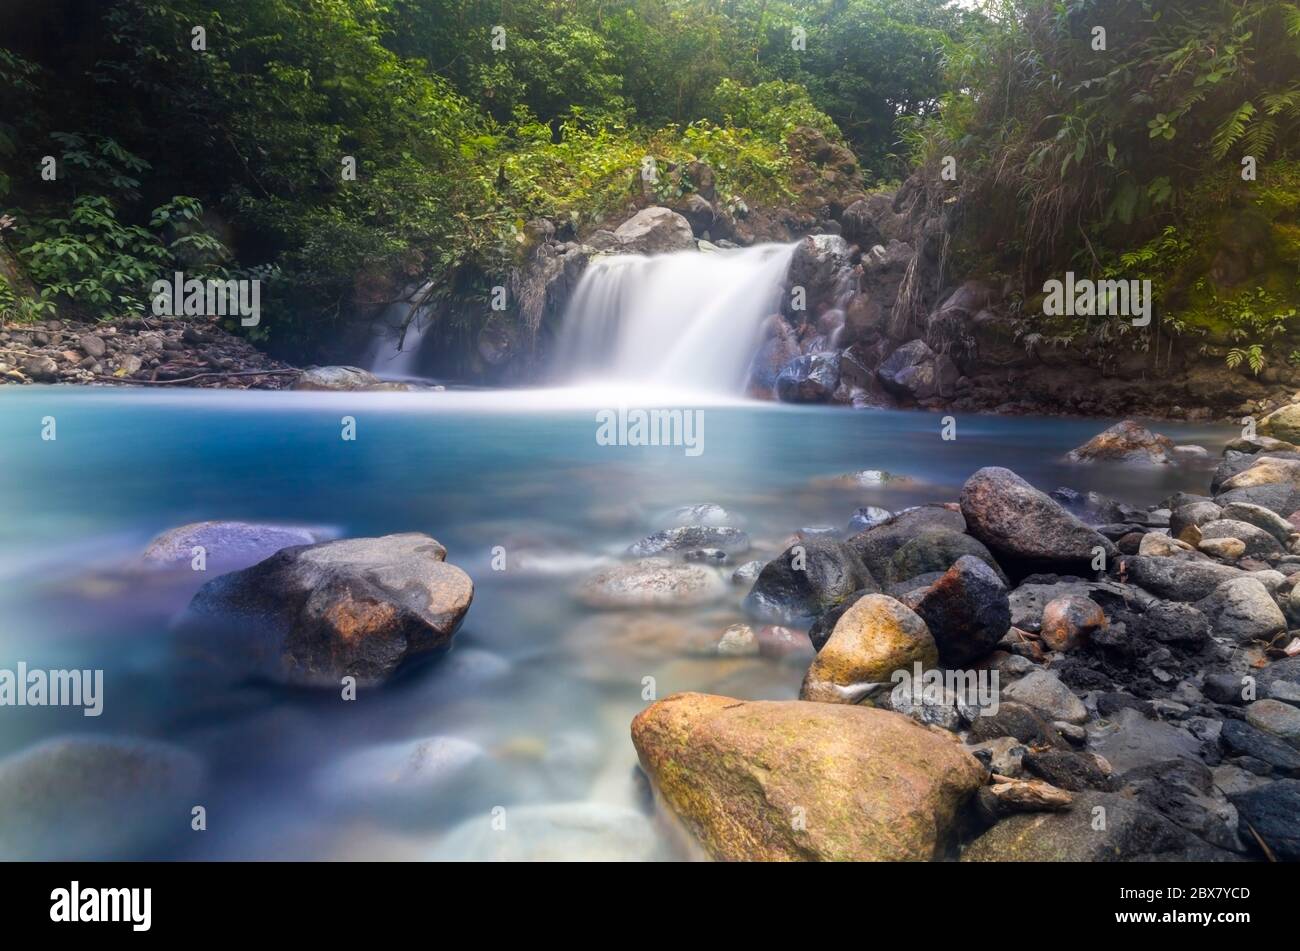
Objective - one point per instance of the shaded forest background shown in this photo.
(1119, 158)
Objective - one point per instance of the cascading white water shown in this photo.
(691, 320)
(395, 353)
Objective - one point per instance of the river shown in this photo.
(543, 688)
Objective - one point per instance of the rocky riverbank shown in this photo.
(136, 351)
(139, 352)
(1142, 667)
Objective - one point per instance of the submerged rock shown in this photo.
(869, 784)
(399, 779)
(692, 537)
(1127, 441)
(92, 798)
(226, 545)
(652, 582)
(313, 614)
(555, 832)
(867, 517)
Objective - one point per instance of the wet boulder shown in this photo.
(967, 611)
(312, 614)
(1127, 441)
(807, 579)
(878, 544)
(936, 549)
(917, 372)
(820, 266)
(811, 378)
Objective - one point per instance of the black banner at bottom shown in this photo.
(330, 900)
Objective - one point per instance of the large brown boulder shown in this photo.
(313, 614)
(788, 780)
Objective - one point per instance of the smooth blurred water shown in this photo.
(671, 319)
(545, 686)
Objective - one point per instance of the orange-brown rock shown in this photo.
(791, 780)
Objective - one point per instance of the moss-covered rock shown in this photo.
(788, 780)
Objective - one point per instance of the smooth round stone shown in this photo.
(227, 545)
(406, 776)
(92, 798)
(652, 582)
(1275, 717)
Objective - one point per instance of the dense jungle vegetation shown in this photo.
(214, 136)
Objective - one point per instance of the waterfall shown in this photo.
(395, 353)
(691, 319)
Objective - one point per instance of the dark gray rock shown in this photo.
(1178, 579)
(1272, 811)
(933, 550)
(1239, 738)
(809, 379)
(1025, 529)
(807, 580)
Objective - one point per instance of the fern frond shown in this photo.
(1231, 130)
(1279, 102)
(1260, 137)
